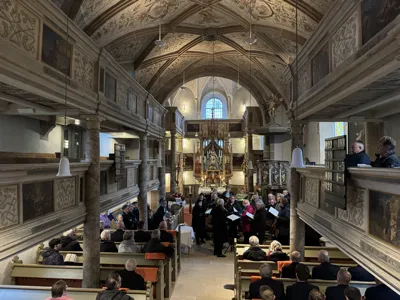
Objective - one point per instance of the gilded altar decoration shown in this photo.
(213, 158)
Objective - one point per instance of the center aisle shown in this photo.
(203, 275)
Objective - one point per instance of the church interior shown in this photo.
(199, 149)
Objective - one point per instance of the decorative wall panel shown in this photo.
(19, 27)
(131, 176)
(83, 69)
(8, 206)
(65, 193)
(122, 95)
(304, 79)
(320, 65)
(354, 213)
(37, 199)
(311, 192)
(346, 40)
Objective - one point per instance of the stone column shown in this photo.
(250, 178)
(373, 133)
(173, 162)
(297, 227)
(161, 169)
(143, 178)
(91, 228)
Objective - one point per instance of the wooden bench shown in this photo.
(244, 283)
(40, 293)
(43, 275)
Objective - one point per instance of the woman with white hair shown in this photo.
(275, 252)
(220, 231)
(260, 219)
(128, 244)
(106, 245)
(254, 252)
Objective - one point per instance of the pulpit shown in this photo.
(272, 175)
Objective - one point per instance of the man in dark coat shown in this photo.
(266, 279)
(155, 246)
(130, 279)
(254, 253)
(199, 220)
(113, 292)
(127, 217)
(337, 292)
(358, 157)
(158, 216)
(219, 227)
(135, 214)
(69, 243)
(106, 245)
(301, 289)
(358, 273)
(142, 236)
(290, 270)
(380, 292)
(386, 158)
(260, 219)
(51, 256)
(283, 222)
(325, 271)
(165, 236)
(118, 234)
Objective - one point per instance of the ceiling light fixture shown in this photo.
(252, 39)
(160, 43)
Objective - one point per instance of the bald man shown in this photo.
(359, 156)
(337, 292)
(325, 271)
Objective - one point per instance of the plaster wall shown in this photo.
(392, 126)
(22, 134)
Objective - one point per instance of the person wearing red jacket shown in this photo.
(246, 221)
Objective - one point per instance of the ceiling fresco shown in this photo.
(195, 29)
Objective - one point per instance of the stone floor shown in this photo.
(203, 275)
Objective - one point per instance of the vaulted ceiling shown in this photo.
(204, 37)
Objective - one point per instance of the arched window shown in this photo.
(214, 109)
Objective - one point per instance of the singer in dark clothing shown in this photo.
(219, 227)
(199, 221)
(260, 219)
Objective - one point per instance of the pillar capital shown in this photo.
(92, 121)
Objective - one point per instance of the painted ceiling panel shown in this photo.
(140, 15)
(91, 9)
(175, 41)
(276, 69)
(143, 76)
(209, 17)
(207, 47)
(130, 50)
(320, 5)
(240, 37)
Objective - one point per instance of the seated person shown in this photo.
(352, 293)
(106, 221)
(142, 236)
(254, 252)
(358, 273)
(106, 245)
(276, 253)
(290, 270)
(118, 234)
(380, 292)
(59, 291)
(358, 157)
(301, 289)
(316, 295)
(386, 158)
(112, 291)
(337, 292)
(69, 242)
(51, 256)
(128, 244)
(130, 279)
(266, 279)
(165, 235)
(266, 293)
(155, 246)
(325, 271)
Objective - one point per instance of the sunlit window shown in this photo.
(339, 128)
(214, 109)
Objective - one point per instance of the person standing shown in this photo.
(246, 226)
(283, 222)
(219, 227)
(158, 216)
(135, 214)
(260, 219)
(199, 221)
(127, 217)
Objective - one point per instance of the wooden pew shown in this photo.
(244, 283)
(119, 260)
(40, 293)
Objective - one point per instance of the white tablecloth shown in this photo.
(187, 235)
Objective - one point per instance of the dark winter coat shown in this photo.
(355, 159)
(258, 224)
(199, 218)
(69, 244)
(155, 246)
(390, 161)
(52, 257)
(255, 253)
(113, 295)
(108, 246)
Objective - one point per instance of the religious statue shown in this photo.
(271, 104)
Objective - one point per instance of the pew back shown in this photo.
(40, 293)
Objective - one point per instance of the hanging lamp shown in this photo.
(160, 43)
(63, 166)
(297, 154)
(251, 40)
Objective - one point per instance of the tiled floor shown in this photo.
(203, 276)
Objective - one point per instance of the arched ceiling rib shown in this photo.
(128, 29)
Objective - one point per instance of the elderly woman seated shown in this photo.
(254, 252)
(128, 244)
(106, 245)
(275, 252)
